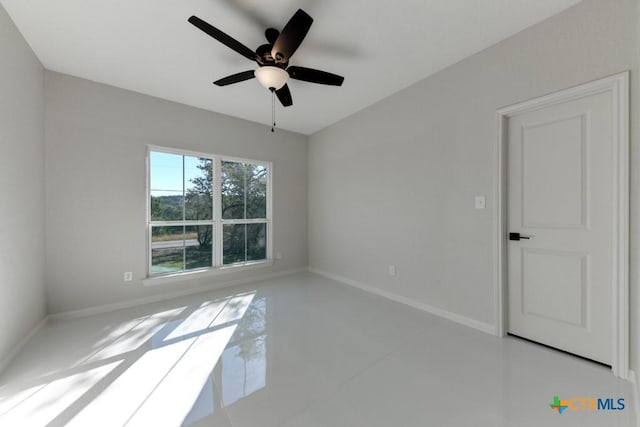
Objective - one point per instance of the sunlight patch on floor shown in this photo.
(135, 337)
(235, 309)
(198, 320)
(165, 406)
(45, 404)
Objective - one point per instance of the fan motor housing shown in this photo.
(264, 52)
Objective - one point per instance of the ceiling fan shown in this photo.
(273, 57)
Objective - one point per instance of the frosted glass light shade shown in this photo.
(271, 77)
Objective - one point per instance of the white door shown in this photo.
(561, 180)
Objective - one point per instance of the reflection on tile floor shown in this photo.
(295, 351)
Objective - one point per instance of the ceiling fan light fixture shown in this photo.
(271, 77)
(273, 58)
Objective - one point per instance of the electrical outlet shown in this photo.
(481, 202)
(278, 255)
(128, 276)
(392, 270)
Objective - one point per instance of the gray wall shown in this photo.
(95, 187)
(22, 292)
(395, 183)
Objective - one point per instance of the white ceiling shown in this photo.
(379, 46)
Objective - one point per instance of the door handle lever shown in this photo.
(518, 236)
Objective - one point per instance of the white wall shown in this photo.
(395, 183)
(96, 202)
(22, 292)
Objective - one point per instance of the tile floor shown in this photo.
(296, 351)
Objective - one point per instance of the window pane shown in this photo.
(233, 177)
(256, 242)
(166, 205)
(233, 243)
(198, 246)
(198, 177)
(165, 171)
(167, 249)
(256, 189)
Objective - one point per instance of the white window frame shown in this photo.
(217, 221)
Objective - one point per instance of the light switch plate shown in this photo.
(481, 202)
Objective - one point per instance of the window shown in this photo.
(206, 211)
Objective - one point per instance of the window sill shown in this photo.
(192, 275)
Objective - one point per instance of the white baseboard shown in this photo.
(107, 308)
(16, 349)
(475, 324)
(633, 378)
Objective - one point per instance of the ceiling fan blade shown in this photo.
(284, 95)
(315, 76)
(291, 36)
(223, 38)
(235, 78)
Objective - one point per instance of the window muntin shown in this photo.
(196, 224)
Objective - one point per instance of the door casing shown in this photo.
(618, 86)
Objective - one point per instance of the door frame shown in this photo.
(618, 86)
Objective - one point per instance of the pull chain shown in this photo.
(273, 110)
